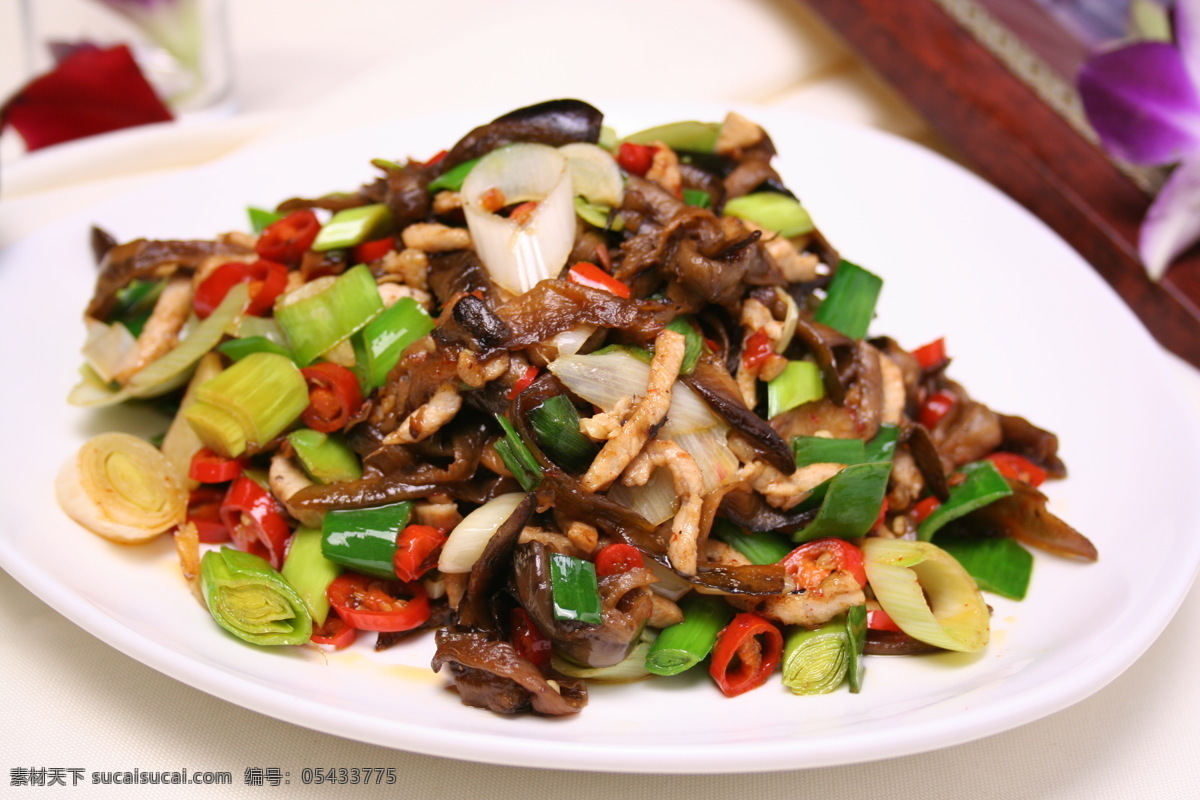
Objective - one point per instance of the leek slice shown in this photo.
(518, 255)
(385, 338)
(466, 542)
(984, 484)
(325, 456)
(773, 211)
(927, 593)
(595, 175)
(352, 226)
(816, 661)
(799, 383)
(248, 404)
(849, 304)
(251, 600)
(851, 503)
(309, 572)
(180, 442)
(700, 137)
(325, 312)
(122, 488)
(685, 644)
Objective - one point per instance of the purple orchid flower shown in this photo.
(1143, 100)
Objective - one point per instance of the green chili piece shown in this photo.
(998, 564)
(882, 446)
(555, 423)
(386, 337)
(574, 589)
(851, 504)
(260, 218)
(325, 456)
(251, 600)
(309, 572)
(824, 450)
(325, 312)
(237, 349)
(816, 661)
(850, 301)
(364, 539)
(700, 137)
(697, 197)
(799, 383)
(685, 644)
(984, 484)
(452, 179)
(856, 629)
(762, 547)
(352, 226)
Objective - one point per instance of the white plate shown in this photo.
(1032, 331)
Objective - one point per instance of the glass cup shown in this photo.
(181, 46)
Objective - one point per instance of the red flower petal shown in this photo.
(91, 91)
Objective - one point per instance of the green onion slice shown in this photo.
(852, 501)
(816, 661)
(799, 383)
(574, 589)
(251, 600)
(849, 304)
(685, 644)
(327, 311)
(984, 484)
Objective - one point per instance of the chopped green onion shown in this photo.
(248, 403)
(516, 456)
(799, 383)
(260, 218)
(352, 226)
(309, 572)
(685, 644)
(385, 338)
(574, 589)
(984, 484)
(237, 349)
(364, 539)
(693, 344)
(856, 627)
(251, 600)
(761, 547)
(452, 179)
(325, 312)
(598, 216)
(816, 661)
(555, 423)
(852, 503)
(998, 564)
(700, 137)
(927, 593)
(824, 450)
(850, 301)
(325, 456)
(697, 197)
(773, 211)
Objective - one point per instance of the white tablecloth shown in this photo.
(70, 701)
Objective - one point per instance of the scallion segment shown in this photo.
(364, 539)
(852, 501)
(516, 456)
(984, 484)
(325, 456)
(998, 564)
(856, 629)
(555, 423)
(700, 137)
(773, 211)
(352, 226)
(386, 336)
(260, 218)
(684, 645)
(248, 403)
(327, 311)
(574, 589)
(762, 547)
(452, 179)
(849, 304)
(309, 572)
(237, 349)
(799, 383)
(816, 661)
(824, 450)
(251, 600)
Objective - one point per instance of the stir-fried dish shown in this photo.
(581, 408)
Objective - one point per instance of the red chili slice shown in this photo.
(267, 281)
(204, 511)
(528, 640)
(757, 349)
(208, 467)
(878, 620)
(374, 250)
(417, 550)
(617, 558)
(334, 397)
(1018, 468)
(371, 604)
(587, 274)
(334, 632)
(924, 508)
(813, 562)
(937, 406)
(255, 521)
(522, 383)
(932, 354)
(287, 239)
(635, 158)
(746, 653)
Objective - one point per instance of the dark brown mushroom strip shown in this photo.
(929, 462)
(865, 395)
(490, 572)
(834, 353)
(407, 194)
(363, 493)
(626, 601)
(336, 201)
(1023, 516)
(750, 174)
(750, 510)
(968, 432)
(896, 643)
(150, 259)
(554, 122)
(1022, 437)
(490, 674)
(417, 463)
(718, 390)
(101, 241)
(456, 273)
